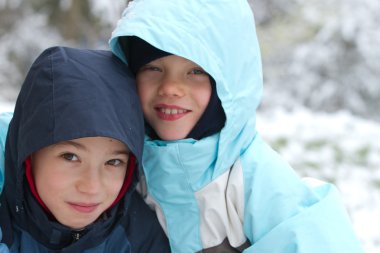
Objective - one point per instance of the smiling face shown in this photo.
(174, 93)
(79, 179)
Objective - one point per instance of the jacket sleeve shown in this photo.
(3, 247)
(5, 118)
(285, 214)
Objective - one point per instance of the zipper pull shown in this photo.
(76, 236)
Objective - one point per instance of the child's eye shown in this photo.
(70, 157)
(149, 68)
(115, 162)
(197, 71)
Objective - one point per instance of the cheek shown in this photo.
(142, 96)
(203, 95)
(47, 172)
(49, 186)
(114, 181)
(146, 98)
(144, 92)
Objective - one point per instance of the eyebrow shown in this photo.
(72, 143)
(125, 151)
(121, 152)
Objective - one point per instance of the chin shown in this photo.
(171, 137)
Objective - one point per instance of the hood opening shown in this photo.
(127, 182)
(138, 52)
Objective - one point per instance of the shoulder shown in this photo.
(5, 118)
(142, 227)
(139, 215)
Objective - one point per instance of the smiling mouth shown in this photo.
(170, 113)
(84, 208)
(173, 111)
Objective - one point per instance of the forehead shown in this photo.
(175, 59)
(90, 144)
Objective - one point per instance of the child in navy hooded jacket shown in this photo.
(72, 158)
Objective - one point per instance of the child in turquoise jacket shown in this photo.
(215, 184)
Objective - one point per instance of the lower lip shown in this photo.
(83, 209)
(170, 117)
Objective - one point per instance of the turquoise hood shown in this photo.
(222, 45)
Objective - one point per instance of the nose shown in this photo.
(171, 87)
(89, 181)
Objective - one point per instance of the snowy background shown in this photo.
(321, 61)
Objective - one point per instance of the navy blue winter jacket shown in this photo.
(68, 94)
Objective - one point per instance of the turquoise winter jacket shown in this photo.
(229, 191)
(5, 118)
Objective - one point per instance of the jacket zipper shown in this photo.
(76, 236)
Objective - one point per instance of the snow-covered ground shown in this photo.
(338, 148)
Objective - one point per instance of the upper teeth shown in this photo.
(172, 111)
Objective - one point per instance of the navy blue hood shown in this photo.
(72, 93)
(68, 94)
